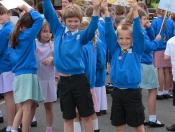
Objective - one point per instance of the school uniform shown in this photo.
(46, 73)
(100, 89)
(149, 81)
(75, 88)
(6, 76)
(23, 59)
(89, 60)
(159, 61)
(127, 107)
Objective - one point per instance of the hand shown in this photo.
(96, 3)
(24, 6)
(104, 5)
(133, 4)
(48, 60)
(148, 24)
(158, 37)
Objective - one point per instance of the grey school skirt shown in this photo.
(149, 77)
(27, 87)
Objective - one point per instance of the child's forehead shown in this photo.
(126, 32)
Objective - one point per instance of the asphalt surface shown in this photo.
(165, 114)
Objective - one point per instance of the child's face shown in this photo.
(72, 23)
(65, 3)
(4, 18)
(45, 35)
(144, 20)
(124, 39)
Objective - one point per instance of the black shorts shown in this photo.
(127, 107)
(75, 92)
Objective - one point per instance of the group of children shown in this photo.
(76, 45)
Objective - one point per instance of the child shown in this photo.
(150, 81)
(68, 41)
(46, 71)
(27, 90)
(126, 49)
(6, 75)
(163, 66)
(170, 56)
(89, 59)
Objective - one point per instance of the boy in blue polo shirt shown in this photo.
(126, 49)
(68, 41)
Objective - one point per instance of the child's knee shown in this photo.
(140, 128)
(86, 119)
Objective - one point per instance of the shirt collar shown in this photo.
(47, 44)
(66, 30)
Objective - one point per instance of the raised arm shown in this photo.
(89, 33)
(110, 35)
(36, 17)
(138, 36)
(51, 16)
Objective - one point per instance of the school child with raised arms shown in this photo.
(6, 75)
(126, 50)
(68, 41)
(149, 81)
(46, 71)
(27, 90)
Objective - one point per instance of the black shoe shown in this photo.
(108, 91)
(1, 119)
(4, 130)
(98, 113)
(1, 96)
(155, 124)
(166, 96)
(19, 130)
(159, 97)
(103, 112)
(171, 128)
(146, 123)
(97, 130)
(34, 124)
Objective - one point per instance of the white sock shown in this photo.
(95, 123)
(152, 118)
(160, 93)
(165, 92)
(77, 127)
(34, 119)
(9, 128)
(14, 130)
(0, 113)
(82, 126)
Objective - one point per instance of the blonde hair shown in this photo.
(129, 16)
(72, 10)
(83, 26)
(44, 25)
(124, 27)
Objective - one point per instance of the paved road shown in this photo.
(165, 113)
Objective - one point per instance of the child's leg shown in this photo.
(49, 113)
(77, 125)
(152, 101)
(10, 107)
(167, 81)
(95, 122)
(28, 109)
(88, 125)
(68, 125)
(161, 81)
(139, 128)
(120, 128)
(17, 119)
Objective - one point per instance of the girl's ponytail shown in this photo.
(14, 35)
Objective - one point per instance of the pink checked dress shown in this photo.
(46, 73)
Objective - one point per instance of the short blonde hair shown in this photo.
(125, 27)
(72, 10)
